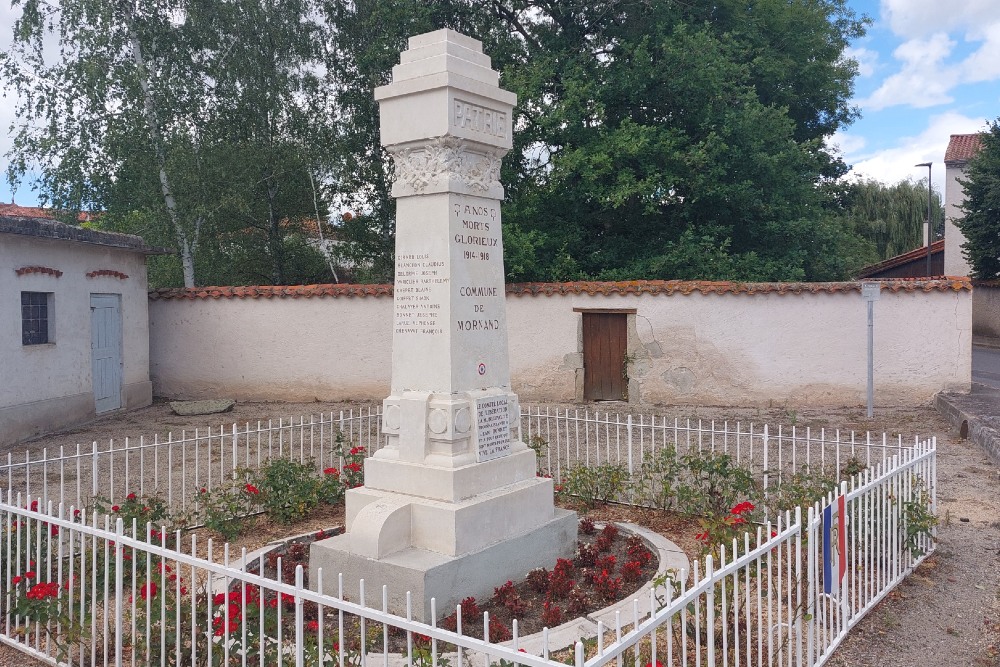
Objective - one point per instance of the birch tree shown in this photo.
(98, 82)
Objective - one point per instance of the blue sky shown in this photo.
(929, 69)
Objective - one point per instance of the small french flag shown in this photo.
(834, 546)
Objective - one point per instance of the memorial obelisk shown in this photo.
(451, 506)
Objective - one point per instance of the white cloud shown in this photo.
(846, 143)
(984, 63)
(895, 164)
(867, 59)
(913, 19)
(923, 81)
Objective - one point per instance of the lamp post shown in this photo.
(929, 228)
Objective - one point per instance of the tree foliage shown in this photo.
(891, 217)
(654, 140)
(981, 224)
(199, 125)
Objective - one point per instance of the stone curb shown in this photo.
(670, 556)
(976, 428)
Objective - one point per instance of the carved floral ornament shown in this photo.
(440, 159)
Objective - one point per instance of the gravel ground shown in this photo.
(947, 613)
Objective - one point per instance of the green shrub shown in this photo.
(597, 484)
(714, 483)
(289, 490)
(657, 480)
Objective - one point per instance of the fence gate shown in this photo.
(605, 344)
(106, 350)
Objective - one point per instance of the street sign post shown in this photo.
(870, 293)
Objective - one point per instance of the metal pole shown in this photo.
(930, 230)
(930, 226)
(871, 359)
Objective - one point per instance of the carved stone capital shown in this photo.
(447, 164)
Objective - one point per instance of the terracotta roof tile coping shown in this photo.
(962, 148)
(665, 287)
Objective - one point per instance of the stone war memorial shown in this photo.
(451, 506)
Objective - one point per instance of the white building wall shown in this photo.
(720, 349)
(955, 263)
(986, 310)
(45, 387)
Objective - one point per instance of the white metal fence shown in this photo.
(128, 595)
(177, 467)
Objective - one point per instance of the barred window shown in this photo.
(36, 315)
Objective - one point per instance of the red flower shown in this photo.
(702, 537)
(252, 490)
(654, 664)
(55, 530)
(148, 590)
(204, 490)
(312, 626)
(130, 496)
(742, 508)
(29, 575)
(219, 598)
(331, 471)
(115, 508)
(76, 512)
(16, 580)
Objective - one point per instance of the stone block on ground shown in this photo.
(209, 407)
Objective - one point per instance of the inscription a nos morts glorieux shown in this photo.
(480, 119)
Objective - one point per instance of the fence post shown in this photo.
(119, 585)
(766, 444)
(710, 608)
(520, 437)
(299, 629)
(628, 437)
(235, 455)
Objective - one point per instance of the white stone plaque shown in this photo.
(870, 291)
(492, 428)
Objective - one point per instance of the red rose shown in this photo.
(252, 490)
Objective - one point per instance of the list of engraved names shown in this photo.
(418, 307)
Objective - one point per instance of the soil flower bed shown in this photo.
(609, 565)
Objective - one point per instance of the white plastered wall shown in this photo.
(954, 195)
(800, 349)
(272, 349)
(45, 387)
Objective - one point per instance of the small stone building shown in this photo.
(74, 325)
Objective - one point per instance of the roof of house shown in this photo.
(962, 148)
(899, 260)
(38, 212)
(664, 287)
(45, 228)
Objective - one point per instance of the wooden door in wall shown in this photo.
(604, 349)
(106, 350)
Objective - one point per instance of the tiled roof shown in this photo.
(916, 253)
(670, 287)
(665, 287)
(50, 229)
(270, 292)
(962, 148)
(36, 212)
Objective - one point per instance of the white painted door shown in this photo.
(106, 350)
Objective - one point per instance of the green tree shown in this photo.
(200, 125)
(654, 140)
(981, 224)
(890, 216)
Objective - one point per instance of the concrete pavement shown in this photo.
(976, 415)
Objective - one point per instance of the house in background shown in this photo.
(961, 149)
(911, 264)
(74, 324)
